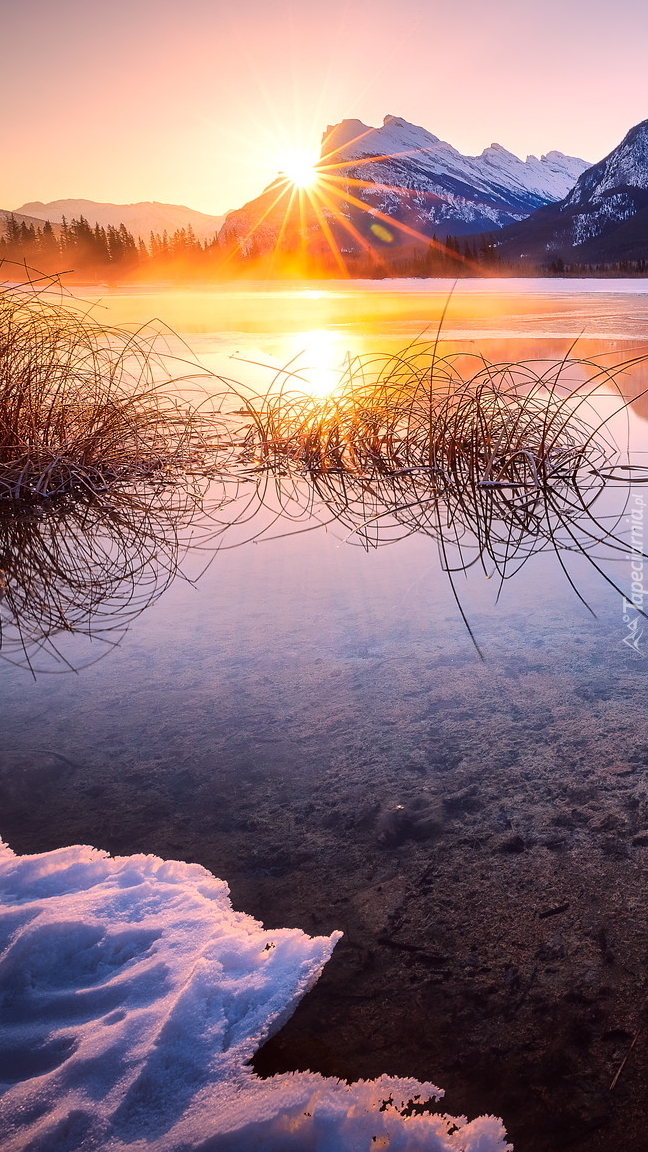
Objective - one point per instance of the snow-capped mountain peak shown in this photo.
(500, 149)
(496, 174)
(625, 166)
(603, 218)
(353, 140)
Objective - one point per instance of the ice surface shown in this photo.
(132, 997)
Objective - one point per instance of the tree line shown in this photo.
(77, 247)
(100, 251)
(113, 252)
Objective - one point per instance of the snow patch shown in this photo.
(132, 997)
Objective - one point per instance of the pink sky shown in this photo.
(193, 101)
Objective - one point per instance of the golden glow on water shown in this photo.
(317, 362)
(379, 310)
(315, 325)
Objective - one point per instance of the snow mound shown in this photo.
(132, 997)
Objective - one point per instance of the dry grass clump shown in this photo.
(494, 461)
(496, 464)
(411, 440)
(504, 424)
(83, 405)
(107, 456)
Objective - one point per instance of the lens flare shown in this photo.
(312, 217)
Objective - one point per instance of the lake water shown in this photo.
(311, 721)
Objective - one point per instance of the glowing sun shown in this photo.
(299, 168)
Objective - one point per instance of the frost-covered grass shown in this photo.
(133, 997)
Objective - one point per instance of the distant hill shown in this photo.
(402, 173)
(37, 221)
(141, 219)
(603, 219)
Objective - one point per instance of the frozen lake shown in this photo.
(311, 721)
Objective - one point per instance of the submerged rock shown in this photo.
(420, 818)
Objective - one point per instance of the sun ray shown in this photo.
(350, 227)
(430, 241)
(284, 223)
(371, 211)
(303, 197)
(309, 200)
(354, 182)
(328, 178)
(362, 160)
(347, 144)
(393, 188)
(421, 237)
(328, 234)
(248, 236)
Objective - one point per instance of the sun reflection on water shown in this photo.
(316, 361)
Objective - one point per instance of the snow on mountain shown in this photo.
(141, 219)
(132, 998)
(549, 177)
(625, 167)
(495, 172)
(402, 174)
(604, 216)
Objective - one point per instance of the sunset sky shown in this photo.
(196, 101)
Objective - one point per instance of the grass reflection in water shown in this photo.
(111, 466)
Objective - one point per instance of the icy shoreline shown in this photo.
(133, 997)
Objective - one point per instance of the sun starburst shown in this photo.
(315, 207)
(299, 168)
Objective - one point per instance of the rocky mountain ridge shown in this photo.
(603, 218)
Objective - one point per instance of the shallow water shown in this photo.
(312, 722)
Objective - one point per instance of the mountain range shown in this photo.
(385, 184)
(399, 185)
(140, 219)
(603, 218)
(495, 186)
